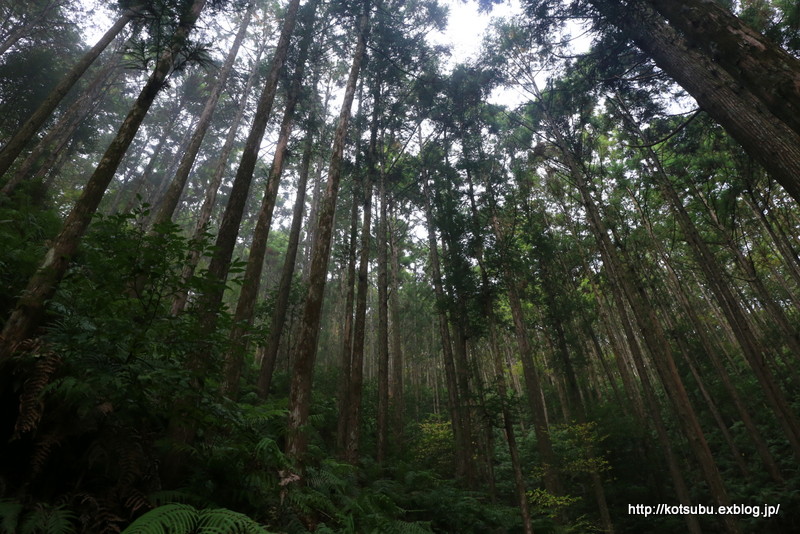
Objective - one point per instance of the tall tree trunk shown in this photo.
(245, 307)
(173, 195)
(23, 136)
(27, 316)
(278, 320)
(209, 199)
(497, 362)
(303, 368)
(382, 421)
(397, 387)
(533, 385)
(656, 341)
(345, 369)
(161, 182)
(757, 63)
(444, 332)
(356, 380)
(790, 259)
(140, 182)
(316, 197)
(654, 413)
(712, 352)
(218, 267)
(742, 329)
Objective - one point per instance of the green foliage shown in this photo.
(38, 519)
(335, 501)
(103, 383)
(434, 447)
(185, 519)
(23, 232)
(549, 504)
(577, 445)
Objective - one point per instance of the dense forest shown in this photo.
(284, 266)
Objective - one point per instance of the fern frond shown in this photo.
(31, 406)
(167, 519)
(404, 527)
(185, 519)
(45, 520)
(224, 521)
(42, 449)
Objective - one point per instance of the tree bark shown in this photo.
(347, 333)
(278, 320)
(382, 422)
(209, 199)
(396, 390)
(303, 368)
(237, 200)
(757, 63)
(245, 307)
(356, 379)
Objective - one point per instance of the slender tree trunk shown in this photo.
(497, 362)
(278, 320)
(658, 345)
(533, 383)
(28, 315)
(533, 386)
(303, 368)
(397, 388)
(237, 200)
(245, 307)
(23, 136)
(654, 413)
(791, 262)
(347, 334)
(161, 182)
(447, 345)
(169, 203)
(313, 212)
(354, 393)
(382, 422)
(140, 182)
(209, 200)
(722, 373)
(741, 327)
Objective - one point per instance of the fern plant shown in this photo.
(186, 519)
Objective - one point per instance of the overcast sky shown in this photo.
(466, 26)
